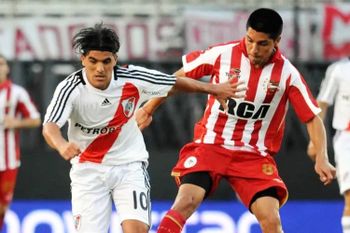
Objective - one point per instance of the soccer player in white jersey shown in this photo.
(335, 88)
(239, 144)
(105, 145)
(17, 111)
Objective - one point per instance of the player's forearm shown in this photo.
(323, 106)
(53, 135)
(191, 85)
(151, 106)
(317, 134)
(29, 123)
(18, 123)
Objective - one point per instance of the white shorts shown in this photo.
(341, 145)
(95, 187)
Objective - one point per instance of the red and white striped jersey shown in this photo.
(102, 122)
(335, 88)
(257, 122)
(14, 102)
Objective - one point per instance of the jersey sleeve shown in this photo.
(61, 105)
(329, 86)
(152, 83)
(200, 63)
(25, 105)
(302, 99)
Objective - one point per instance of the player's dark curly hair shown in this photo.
(99, 38)
(267, 21)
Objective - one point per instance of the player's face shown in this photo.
(99, 67)
(4, 69)
(260, 47)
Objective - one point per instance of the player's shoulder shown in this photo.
(75, 77)
(339, 66)
(73, 80)
(226, 44)
(72, 83)
(18, 90)
(135, 72)
(344, 62)
(288, 65)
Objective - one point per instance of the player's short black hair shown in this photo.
(99, 38)
(267, 21)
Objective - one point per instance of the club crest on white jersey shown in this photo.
(129, 106)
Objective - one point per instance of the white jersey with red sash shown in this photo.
(102, 122)
(14, 102)
(255, 123)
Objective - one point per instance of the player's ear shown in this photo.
(115, 58)
(82, 59)
(277, 41)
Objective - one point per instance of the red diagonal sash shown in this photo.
(98, 148)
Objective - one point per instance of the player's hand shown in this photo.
(229, 89)
(325, 170)
(68, 150)
(311, 151)
(143, 118)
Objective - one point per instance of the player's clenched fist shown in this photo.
(69, 150)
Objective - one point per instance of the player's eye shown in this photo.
(107, 61)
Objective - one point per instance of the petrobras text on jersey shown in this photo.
(211, 217)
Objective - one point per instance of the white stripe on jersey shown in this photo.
(206, 57)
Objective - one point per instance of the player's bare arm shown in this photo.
(17, 123)
(54, 138)
(317, 134)
(222, 91)
(311, 150)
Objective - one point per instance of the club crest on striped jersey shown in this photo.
(129, 106)
(271, 86)
(234, 73)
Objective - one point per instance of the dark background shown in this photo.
(45, 175)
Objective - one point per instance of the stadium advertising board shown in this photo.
(212, 217)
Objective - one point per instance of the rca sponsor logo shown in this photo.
(246, 110)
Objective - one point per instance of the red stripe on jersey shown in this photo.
(250, 96)
(6, 131)
(236, 56)
(274, 133)
(98, 148)
(301, 108)
(21, 108)
(200, 129)
(272, 88)
(193, 56)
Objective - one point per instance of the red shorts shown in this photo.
(247, 172)
(7, 185)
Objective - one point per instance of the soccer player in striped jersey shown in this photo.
(239, 144)
(105, 145)
(335, 88)
(17, 111)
